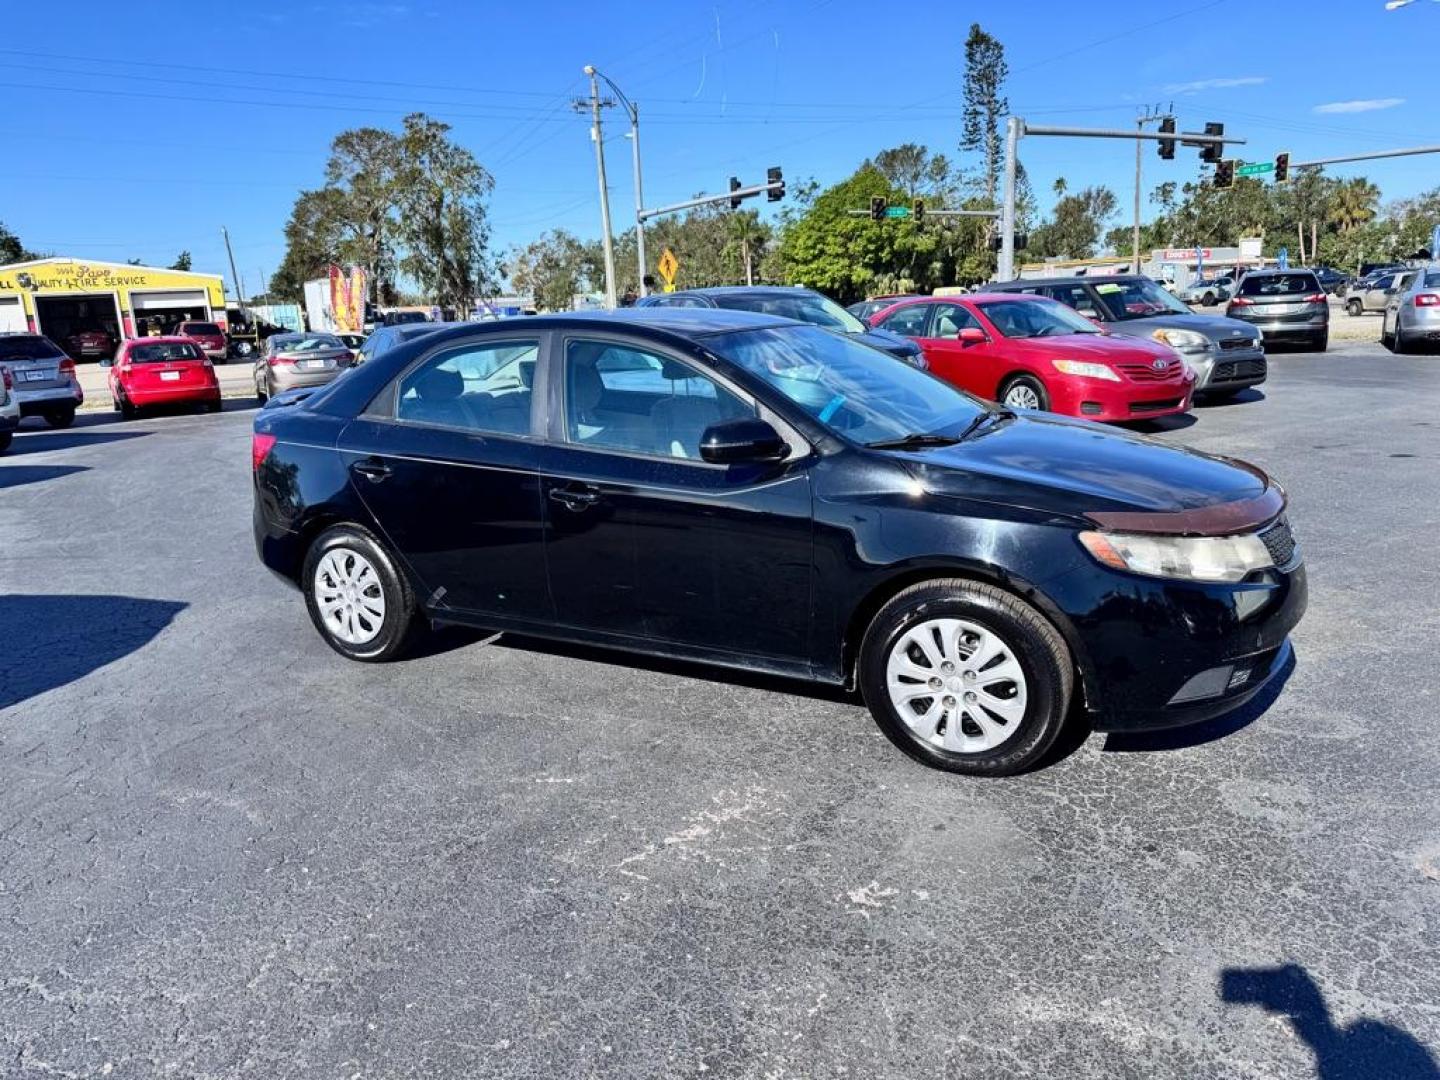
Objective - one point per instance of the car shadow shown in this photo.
(64, 638)
(40, 442)
(1229, 723)
(1224, 401)
(19, 475)
(1162, 425)
(1363, 1049)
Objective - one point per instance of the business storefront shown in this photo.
(63, 297)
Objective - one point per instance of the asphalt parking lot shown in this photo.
(227, 852)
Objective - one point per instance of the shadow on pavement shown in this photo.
(40, 442)
(18, 475)
(1363, 1049)
(1209, 730)
(59, 639)
(1247, 396)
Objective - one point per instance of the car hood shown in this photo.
(891, 343)
(1101, 348)
(1081, 469)
(1215, 327)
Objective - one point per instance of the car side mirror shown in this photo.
(1390, 292)
(972, 335)
(746, 440)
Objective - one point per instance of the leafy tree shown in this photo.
(1074, 227)
(315, 235)
(182, 261)
(1354, 203)
(134, 262)
(985, 104)
(11, 250)
(552, 269)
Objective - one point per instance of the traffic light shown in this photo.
(1212, 152)
(877, 207)
(1167, 146)
(1225, 173)
(1022, 241)
(1282, 167)
(735, 200)
(773, 177)
(917, 211)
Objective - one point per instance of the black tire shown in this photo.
(261, 391)
(1208, 300)
(1398, 344)
(60, 418)
(404, 624)
(1322, 342)
(1026, 380)
(1037, 645)
(1354, 307)
(6, 438)
(211, 406)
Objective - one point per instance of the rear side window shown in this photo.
(908, 320)
(163, 353)
(481, 386)
(28, 348)
(1278, 284)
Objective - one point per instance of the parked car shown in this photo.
(1331, 280)
(1412, 314)
(353, 342)
(9, 408)
(90, 344)
(208, 336)
(44, 377)
(1032, 352)
(866, 308)
(161, 371)
(1207, 292)
(803, 305)
(1372, 292)
(743, 490)
(290, 361)
(385, 338)
(1225, 354)
(1285, 305)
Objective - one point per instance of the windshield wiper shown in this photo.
(916, 440)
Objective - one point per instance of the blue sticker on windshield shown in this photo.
(831, 408)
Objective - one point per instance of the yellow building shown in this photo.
(59, 297)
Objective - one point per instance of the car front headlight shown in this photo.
(1223, 559)
(1089, 371)
(1182, 339)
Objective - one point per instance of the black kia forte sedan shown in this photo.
(753, 492)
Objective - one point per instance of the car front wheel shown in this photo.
(1024, 392)
(966, 677)
(362, 606)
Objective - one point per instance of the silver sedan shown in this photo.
(1412, 312)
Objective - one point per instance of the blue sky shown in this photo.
(138, 130)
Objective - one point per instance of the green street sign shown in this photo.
(1256, 168)
(897, 211)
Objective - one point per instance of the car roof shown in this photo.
(1073, 279)
(749, 290)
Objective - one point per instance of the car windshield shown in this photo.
(307, 343)
(1278, 284)
(1137, 299)
(860, 393)
(802, 307)
(28, 348)
(1032, 318)
(165, 351)
(201, 328)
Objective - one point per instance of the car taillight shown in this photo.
(1241, 301)
(1315, 298)
(205, 361)
(1427, 299)
(282, 361)
(5, 375)
(260, 445)
(67, 367)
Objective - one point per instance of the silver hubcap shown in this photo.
(956, 685)
(1021, 396)
(349, 596)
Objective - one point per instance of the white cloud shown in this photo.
(1200, 85)
(1363, 105)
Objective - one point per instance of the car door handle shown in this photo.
(576, 499)
(373, 469)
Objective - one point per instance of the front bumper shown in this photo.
(1153, 646)
(37, 402)
(1227, 369)
(1109, 402)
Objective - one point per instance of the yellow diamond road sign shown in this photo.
(668, 266)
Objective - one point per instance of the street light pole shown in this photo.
(633, 111)
(606, 239)
(1005, 271)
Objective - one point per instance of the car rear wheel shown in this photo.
(1208, 300)
(1024, 392)
(6, 438)
(1354, 307)
(1397, 342)
(1322, 341)
(60, 418)
(261, 391)
(362, 606)
(966, 677)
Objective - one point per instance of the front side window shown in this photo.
(908, 320)
(478, 386)
(950, 319)
(618, 397)
(1035, 319)
(1137, 298)
(837, 382)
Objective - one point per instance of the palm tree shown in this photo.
(1353, 204)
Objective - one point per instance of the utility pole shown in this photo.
(1005, 271)
(234, 274)
(633, 111)
(1150, 116)
(595, 133)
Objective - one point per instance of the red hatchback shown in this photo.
(162, 371)
(210, 337)
(1035, 353)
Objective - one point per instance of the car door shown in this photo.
(646, 540)
(1390, 316)
(1378, 296)
(970, 365)
(446, 460)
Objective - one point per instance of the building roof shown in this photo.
(103, 262)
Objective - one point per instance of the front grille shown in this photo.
(1237, 343)
(1146, 373)
(1139, 407)
(1280, 542)
(1238, 369)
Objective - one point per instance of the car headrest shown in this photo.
(673, 371)
(585, 389)
(440, 384)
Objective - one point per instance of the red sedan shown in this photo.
(1031, 352)
(162, 371)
